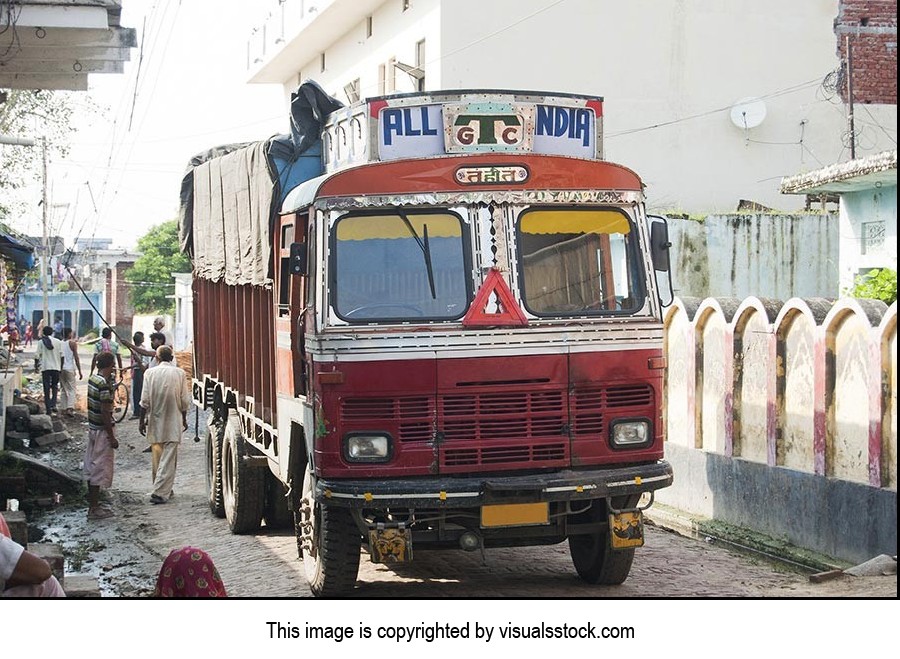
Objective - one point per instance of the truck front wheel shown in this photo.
(329, 545)
(595, 561)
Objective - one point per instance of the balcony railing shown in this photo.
(284, 19)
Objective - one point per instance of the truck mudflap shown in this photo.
(485, 490)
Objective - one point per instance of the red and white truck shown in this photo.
(449, 336)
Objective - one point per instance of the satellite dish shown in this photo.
(748, 112)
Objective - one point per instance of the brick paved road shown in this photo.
(126, 552)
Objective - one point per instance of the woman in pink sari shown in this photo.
(189, 572)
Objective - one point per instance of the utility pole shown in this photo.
(45, 256)
(851, 127)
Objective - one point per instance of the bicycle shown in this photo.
(121, 396)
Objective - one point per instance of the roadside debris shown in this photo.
(879, 566)
(882, 565)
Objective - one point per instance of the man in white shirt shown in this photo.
(158, 324)
(164, 404)
(50, 352)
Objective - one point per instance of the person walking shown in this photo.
(12, 335)
(106, 344)
(70, 366)
(99, 453)
(29, 334)
(140, 361)
(164, 405)
(49, 353)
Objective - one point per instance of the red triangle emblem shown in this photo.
(508, 313)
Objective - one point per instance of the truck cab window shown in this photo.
(578, 261)
(284, 262)
(401, 265)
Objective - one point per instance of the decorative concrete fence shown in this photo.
(782, 417)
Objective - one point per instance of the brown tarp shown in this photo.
(232, 202)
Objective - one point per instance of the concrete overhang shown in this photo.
(314, 33)
(866, 173)
(57, 44)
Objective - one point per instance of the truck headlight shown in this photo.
(630, 433)
(367, 447)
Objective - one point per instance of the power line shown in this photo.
(707, 113)
(883, 129)
(137, 76)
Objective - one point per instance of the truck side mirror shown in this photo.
(659, 255)
(659, 244)
(298, 259)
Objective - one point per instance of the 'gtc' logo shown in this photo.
(487, 129)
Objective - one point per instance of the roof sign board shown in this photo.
(446, 123)
(432, 130)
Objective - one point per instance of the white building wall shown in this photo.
(857, 208)
(184, 312)
(395, 34)
(669, 71)
(673, 64)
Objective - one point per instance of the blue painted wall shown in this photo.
(67, 305)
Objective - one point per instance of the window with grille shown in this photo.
(872, 237)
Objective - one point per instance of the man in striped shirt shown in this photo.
(99, 454)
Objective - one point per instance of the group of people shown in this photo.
(160, 395)
(161, 401)
(16, 332)
(186, 572)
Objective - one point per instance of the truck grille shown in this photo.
(414, 415)
(532, 420)
(499, 416)
(589, 405)
(495, 455)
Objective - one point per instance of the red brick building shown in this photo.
(871, 28)
(119, 310)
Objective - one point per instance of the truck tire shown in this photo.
(595, 561)
(214, 467)
(278, 513)
(329, 546)
(243, 486)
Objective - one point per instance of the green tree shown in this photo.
(150, 277)
(879, 284)
(32, 114)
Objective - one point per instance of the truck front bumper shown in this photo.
(466, 492)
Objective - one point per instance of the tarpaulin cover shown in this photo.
(21, 254)
(230, 195)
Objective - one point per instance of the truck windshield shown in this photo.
(399, 266)
(578, 261)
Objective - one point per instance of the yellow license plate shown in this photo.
(515, 514)
(626, 530)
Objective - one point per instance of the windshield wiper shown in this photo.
(424, 246)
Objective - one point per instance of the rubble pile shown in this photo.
(26, 427)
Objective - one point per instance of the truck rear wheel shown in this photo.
(329, 545)
(243, 486)
(595, 561)
(214, 467)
